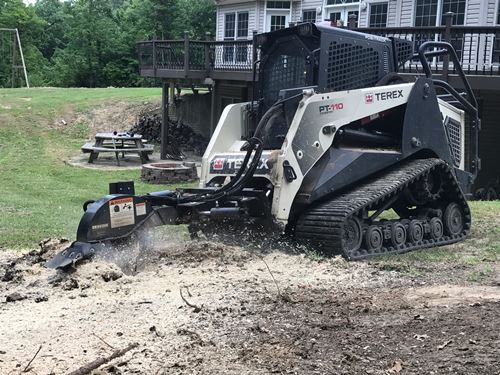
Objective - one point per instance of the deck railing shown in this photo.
(198, 56)
(477, 47)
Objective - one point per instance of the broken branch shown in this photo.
(91, 366)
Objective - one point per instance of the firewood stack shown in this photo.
(149, 126)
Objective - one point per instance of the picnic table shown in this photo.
(119, 143)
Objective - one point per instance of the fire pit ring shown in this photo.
(169, 172)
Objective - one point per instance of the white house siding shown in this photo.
(262, 15)
(473, 13)
(363, 17)
(406, 12)
(491, 12)
(296, 11)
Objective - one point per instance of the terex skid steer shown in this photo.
(334, 138)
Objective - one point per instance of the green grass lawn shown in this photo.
(40, 195)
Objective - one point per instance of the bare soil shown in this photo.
(118, 116)
(244, 312)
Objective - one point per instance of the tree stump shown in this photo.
(169, 172)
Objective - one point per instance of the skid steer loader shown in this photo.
(334, 139)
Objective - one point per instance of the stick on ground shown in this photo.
(270, 272)
(111, 346)
(91, 366)
(32, 359)
(196, 308)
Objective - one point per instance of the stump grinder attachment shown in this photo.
(335, 139)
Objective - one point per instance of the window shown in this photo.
(278, 22)
(341, 2)
(229, 25)
(278, 4)
(425, 12)
(498, 13)
(378, 15)
(496, 42)
(236, 24)
(242, 25)
(335, 16)
(235, 27)
(309, 15)
(458, 9)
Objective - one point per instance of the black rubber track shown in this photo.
(324, 224)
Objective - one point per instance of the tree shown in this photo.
(92, 42)
(197, 17)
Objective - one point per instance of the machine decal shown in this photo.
(121, 212)
(231, 164)
(99, 226)
(140, 209)
(389, 95)
(218, 164)
(369, 98)
(323, 109)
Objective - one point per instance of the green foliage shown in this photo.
(91, 43)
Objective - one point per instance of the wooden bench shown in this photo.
(94, 151)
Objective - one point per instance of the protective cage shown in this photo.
(332, 59)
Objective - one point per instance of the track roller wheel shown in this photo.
(436, 228)
(453, 219)
(352, 236)
(374, 238)
(415, 231)
(398, 234)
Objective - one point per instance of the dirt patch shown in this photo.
(118, 116)
(241, 312)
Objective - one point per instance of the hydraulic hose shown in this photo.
(254, 144)
(236, 183)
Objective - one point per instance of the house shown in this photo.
(236, 19)
(226, 64)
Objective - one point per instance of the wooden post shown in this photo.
(186, 53)
(254, 59)
(447, 37)
(208, 64)
(154, 58)
(164, 120)
(254, 46)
